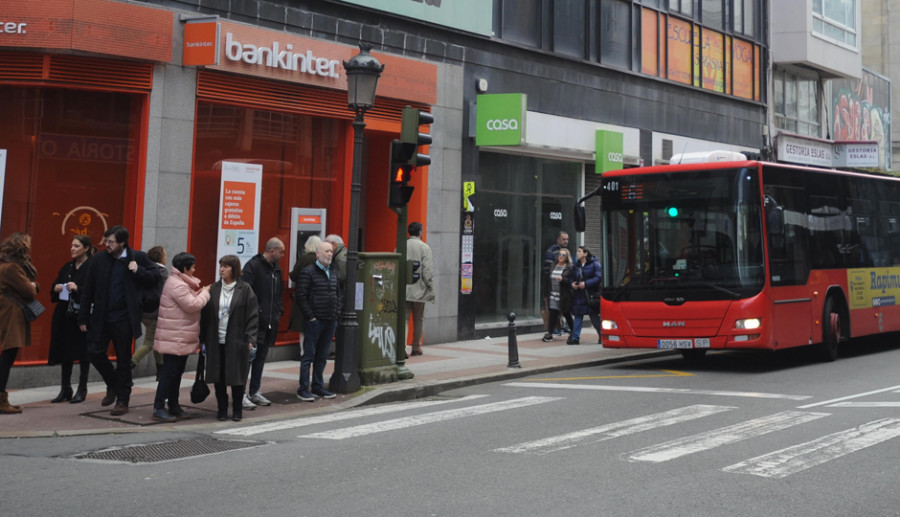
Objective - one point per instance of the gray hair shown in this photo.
(334, 239)
(312, 244)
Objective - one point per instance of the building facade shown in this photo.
(132, 112)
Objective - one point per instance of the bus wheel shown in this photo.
(832, 323)
(693, 354)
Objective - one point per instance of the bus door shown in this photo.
(789, 268)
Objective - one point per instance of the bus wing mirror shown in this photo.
(775, 220)
(580, 222)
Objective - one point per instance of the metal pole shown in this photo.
(513, 342)
(345, 378)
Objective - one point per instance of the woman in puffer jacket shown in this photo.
(177, 333)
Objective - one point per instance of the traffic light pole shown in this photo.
(345, 378)
(402, 319)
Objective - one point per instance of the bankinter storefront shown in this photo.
(73, 130)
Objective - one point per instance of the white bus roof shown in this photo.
(707, 156)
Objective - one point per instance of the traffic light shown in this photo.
(401, 173)
(410, 135)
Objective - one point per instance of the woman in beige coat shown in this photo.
(17, 283)
(177, 333)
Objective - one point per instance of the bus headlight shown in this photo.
(748, 324)
(608, 325)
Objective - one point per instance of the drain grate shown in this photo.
(166, 451)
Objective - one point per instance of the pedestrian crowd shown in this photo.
(570, 290)
(103, 298)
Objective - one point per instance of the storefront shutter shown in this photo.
(62, 70)
(292, 98)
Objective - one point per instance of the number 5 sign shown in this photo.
(240, 192)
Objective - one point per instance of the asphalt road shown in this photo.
(736, 435)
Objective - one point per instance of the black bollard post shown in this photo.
(513, 343)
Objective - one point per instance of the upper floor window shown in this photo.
(685, 7)
(796, 104)
(836, 20)
(712, 14)
(745, 16)
(569, 27)
(521, 21)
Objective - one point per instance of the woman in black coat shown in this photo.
(228, 327)
(67, 342)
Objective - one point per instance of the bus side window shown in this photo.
(789, 247)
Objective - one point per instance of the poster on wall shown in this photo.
(861, 111)
(240, 194)
(2, 176)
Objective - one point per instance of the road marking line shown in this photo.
(428, 418)
(865, 404)
(669, 373)
(825, 403)
(722, 436)
(642, 389)
(336, 417)
(616, 429)
(783, 463)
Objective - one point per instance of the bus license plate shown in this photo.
(683, 343)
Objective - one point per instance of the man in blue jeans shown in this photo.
(319, 298)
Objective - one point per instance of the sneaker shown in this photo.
(547, 338)
(247, 403)
(259, 400)
(305, 396)
(571, 341)
(325, 394)
(558, 332)
(160, 415)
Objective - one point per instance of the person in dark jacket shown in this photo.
(560, 289)
(228, 329)
(319, 297)
(67, 342)
(263, 273)
(586, 277)
(308, 257)
(111, 310)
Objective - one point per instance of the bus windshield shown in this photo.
(682, 236)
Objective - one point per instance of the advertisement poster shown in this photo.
(240, 194)
(861, 111)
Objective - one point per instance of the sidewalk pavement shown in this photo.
(442, 367)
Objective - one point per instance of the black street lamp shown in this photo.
(363, 71)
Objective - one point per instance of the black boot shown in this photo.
(65, 393)
(237, 404)
(222, 404)
(80, 394)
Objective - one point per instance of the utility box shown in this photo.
(378, 318)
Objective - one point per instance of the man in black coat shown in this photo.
(263, 273)
(111, 310)
(318, 294)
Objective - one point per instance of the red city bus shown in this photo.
(747, 255)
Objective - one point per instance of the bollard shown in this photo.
(513, 344)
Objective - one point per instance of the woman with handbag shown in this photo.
(228, 330)
(17, 283)
(559, 288)
(67, 342)
(586, 277)
(177, 333)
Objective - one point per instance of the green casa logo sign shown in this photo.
(501, 119)
(610, 148)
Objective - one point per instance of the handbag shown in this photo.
(73, 308)
(200, 390)
(31, 310)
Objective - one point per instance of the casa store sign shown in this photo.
(278, 55)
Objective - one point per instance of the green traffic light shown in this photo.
(672, 211)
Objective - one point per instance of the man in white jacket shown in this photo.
(422, 290)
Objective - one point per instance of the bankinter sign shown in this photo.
(280, 56)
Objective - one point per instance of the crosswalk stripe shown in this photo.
(865, 404)
(336, 417)
(783, 463)
(646, 389)
(428, 418)
(722, 436)
(616, 429)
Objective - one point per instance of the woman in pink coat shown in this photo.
(177, 333)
